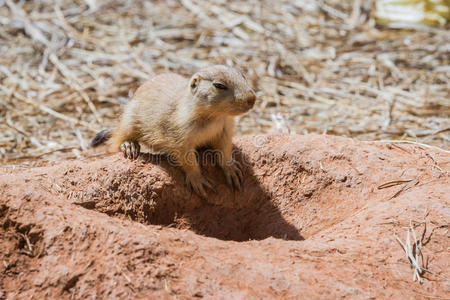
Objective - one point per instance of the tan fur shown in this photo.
(175, 115)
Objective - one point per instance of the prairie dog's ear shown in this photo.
(195, 81)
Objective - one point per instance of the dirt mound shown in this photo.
(315, 219)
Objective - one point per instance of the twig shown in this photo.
(74, 83)
(406, 187)
(410, 142)
(50, 111)
(393, 183)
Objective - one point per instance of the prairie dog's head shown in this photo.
(222, 90)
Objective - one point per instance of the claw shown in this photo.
(233, 175)
(123, 147)
(130, 149)
(134, 150)
(197, 183)
(138, 150)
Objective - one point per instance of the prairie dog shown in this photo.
(175, 115)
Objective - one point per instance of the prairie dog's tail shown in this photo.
(112, 137)
(101, 137)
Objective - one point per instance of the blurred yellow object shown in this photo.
(427, 12)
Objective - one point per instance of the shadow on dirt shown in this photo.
(160, 197)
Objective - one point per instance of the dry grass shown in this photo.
(414, 252)
(66, 67)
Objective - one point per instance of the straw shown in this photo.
(67, 67)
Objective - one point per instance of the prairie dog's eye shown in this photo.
(220, 86)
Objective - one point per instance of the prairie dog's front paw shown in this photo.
(197, 183)
(233, 174)
(130, 149)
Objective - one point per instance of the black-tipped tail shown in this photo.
(101, 137)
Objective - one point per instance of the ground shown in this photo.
(317, 217)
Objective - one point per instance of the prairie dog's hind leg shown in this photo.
(126, 136)
(130, 149)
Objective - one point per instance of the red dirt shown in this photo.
(310, 222)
